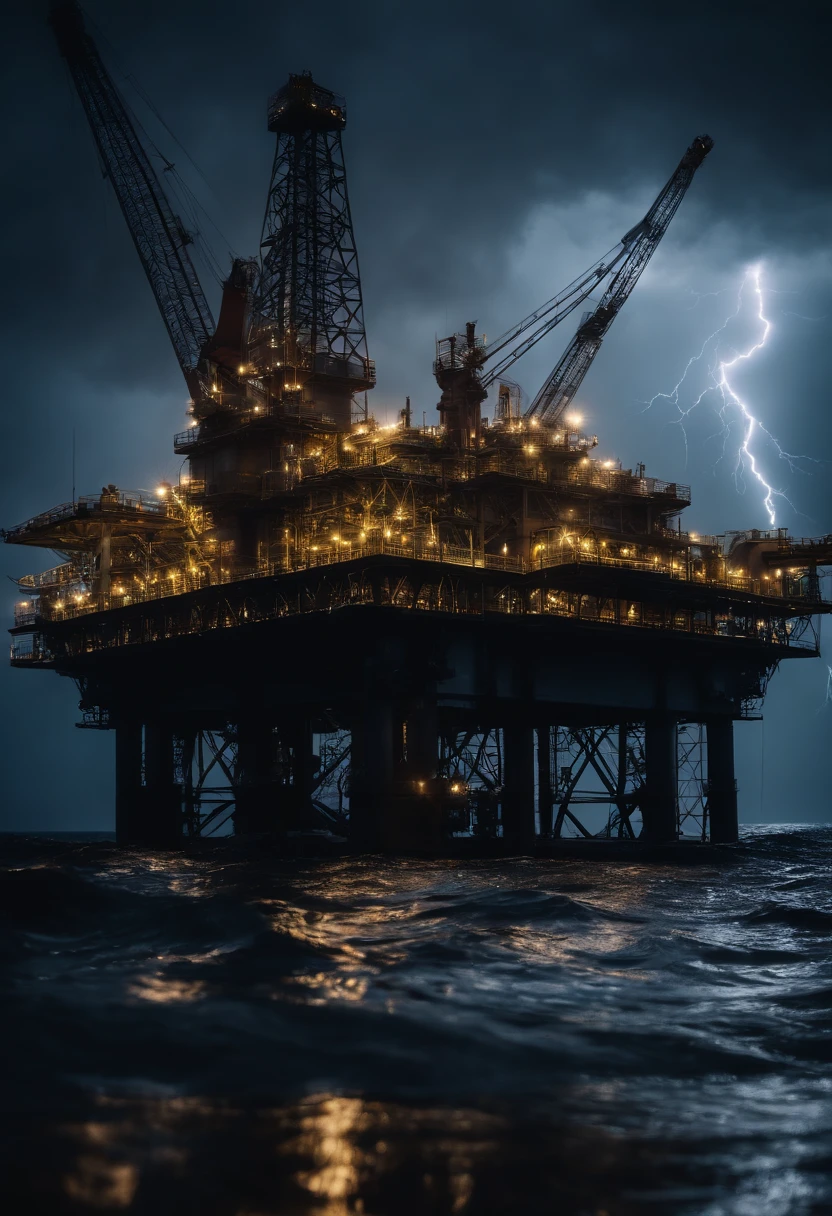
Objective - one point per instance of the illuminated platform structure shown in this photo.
(408, 635)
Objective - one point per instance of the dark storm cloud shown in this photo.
(470, 127)
(461, 121)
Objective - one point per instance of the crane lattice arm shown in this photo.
(640, 244)
(159, 236)
(548, 316)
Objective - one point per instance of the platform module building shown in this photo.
(412, 636)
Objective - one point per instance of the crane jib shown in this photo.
(159, 236)
(640, 243)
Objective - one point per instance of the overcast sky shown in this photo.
(493, 152)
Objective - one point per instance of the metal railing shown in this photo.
(57, 576)
(611, 481)
(569, 555)
(29, 648)
(508, 465)
(418, 548)
(94, 504)
(173, 581)
(790, 543)
(743, 625)
(517, 460)
(345, 368)
(243, 417)
(184, 439)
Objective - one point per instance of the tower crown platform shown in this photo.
(303, 105)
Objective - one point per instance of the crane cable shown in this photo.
(185, 195)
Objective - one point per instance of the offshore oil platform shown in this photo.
(407, 636)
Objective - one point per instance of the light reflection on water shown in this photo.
(227, 1033)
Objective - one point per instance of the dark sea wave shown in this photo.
(225, 1032)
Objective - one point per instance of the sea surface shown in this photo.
(225, 1032)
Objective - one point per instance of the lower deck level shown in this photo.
(420, 785)
(396, 729)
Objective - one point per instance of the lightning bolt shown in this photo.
(828, 699)
(732, 406)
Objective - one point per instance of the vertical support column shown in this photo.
(544, 779)
(371, 770)
(255, 787)
(422, 740)
(161, 818)
(658, 802)
(722, 786)
(128, 781)
(621, 780)
(300, 802)
(423, 811)
(518, 786)
(190, 802)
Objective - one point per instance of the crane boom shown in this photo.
(549, 315)
(640, 243)
(159, 236)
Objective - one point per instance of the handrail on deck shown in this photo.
(177, 582)
(87, 504)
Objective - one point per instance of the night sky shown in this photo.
(493, 152)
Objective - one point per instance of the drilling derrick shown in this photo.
(475, 634)
(308, 334)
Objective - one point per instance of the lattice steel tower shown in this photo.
(308, 320)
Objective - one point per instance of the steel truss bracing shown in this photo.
(596, 778)
(159, 236)
(600, 773)
(331, 783)
(207, 775)
(472, 760)
(205, 767)
(596, 774)
(597, 767)
(309, 288)
(692, 781)
(586, 781)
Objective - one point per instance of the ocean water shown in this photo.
(225, 1032)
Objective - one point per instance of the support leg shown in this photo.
(299, 739)
(417, 818)
(371, 774)
(422, 741)
(128, 781)
(544, 779)
(722, 787)
(658, 803)
(161, 818)
(518, 786)
(255, 788)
